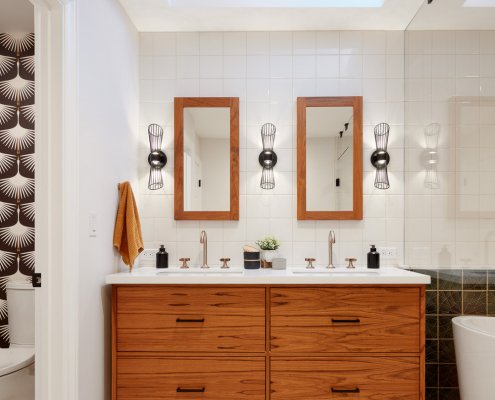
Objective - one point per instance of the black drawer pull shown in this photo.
(190, 320)
(346, 321)
(191, 390)
(353, 390)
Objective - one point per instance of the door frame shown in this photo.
(57, 182)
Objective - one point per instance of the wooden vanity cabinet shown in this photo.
(278, 342)
(344, 320)
(166, 377)
(190, 319)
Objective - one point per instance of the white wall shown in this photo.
(108, 117)
(193, 166)
(345, 172)
(215, 186)
(268, 71)
(320, 173)
(451, 81)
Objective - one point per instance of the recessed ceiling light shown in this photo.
(277, 3)
(479, 3)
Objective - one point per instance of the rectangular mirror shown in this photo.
(206, 158)
(329, 158)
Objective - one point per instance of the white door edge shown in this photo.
(56, 204)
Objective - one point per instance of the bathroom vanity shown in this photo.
(280, 335)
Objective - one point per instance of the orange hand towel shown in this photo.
(127, 237)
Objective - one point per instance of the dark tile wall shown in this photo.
(16, 165)
(451, 293)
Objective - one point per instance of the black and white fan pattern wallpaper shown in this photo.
(16, 164)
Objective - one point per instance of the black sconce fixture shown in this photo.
(157, 158)
(380, 157)
(346, 128)
(268, 158)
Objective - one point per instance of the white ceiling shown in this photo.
(16, 16)
(450, 15)
(324, 122)
(210, 122)
(158, 16)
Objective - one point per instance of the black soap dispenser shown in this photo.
(162, 258)
(373, 258)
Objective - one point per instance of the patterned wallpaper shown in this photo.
(16, 164)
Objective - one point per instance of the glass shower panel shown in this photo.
(450, 136)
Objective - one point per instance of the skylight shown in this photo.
(479, 3)
(277, 3)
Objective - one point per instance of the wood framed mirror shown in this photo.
(330, 158)
(206, 164)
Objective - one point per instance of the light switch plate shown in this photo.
(92, 225)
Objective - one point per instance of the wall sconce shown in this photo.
(432, 132)
(380, 157)
(157, 158)
(267, 158)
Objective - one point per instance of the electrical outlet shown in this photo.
(388, 253)
(148, 254)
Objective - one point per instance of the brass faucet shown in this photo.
(331, 242)
(203, 239)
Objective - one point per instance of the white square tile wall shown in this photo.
(268, 71)
(450, 80)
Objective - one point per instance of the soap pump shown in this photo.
(162, 258)
(373, 258)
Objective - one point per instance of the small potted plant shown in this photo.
(268, 246)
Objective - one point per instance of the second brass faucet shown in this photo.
(203, 239)
(331, 242)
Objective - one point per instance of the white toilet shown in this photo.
(474, 339)
(17, 362)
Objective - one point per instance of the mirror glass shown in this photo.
(329, 158)
(206, 158)
(474, 167)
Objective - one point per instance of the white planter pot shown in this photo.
(269, 255)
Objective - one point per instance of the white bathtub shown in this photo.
(474, 339)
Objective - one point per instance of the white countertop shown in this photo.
(240, 276)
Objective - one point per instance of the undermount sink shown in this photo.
(335, 271)
(197, 271)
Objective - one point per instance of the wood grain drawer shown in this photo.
(190, 319)
(154, 378)
(363, 378)
(191, 300)
(335, 320)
